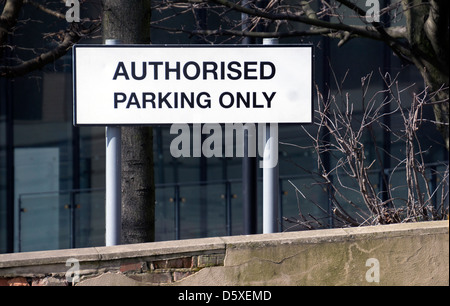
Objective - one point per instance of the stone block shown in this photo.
(178, 275)
(49, 281)
(210, 260)
(176, 263)
(4, 282)
(156, 278)
(18, 282)
(133, 267)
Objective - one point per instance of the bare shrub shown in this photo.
(343, 129)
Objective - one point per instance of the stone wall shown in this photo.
(403, 254)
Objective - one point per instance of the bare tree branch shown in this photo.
(361, 31)
(224, 32)
(437, 28)
(45, 9)
(8, 18)
(352, 173)
(71, 36)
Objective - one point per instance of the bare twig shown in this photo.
(71, 36)
(335, 114)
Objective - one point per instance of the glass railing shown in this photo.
(60, 220)
(76, 218)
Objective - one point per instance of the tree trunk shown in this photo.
(138, 191)
(427, 26)
(438, 82)
(129, 21)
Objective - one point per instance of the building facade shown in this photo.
(52, 174)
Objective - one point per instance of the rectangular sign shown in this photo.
(151, 84)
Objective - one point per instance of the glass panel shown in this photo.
(3, 237)
(437, 194)
(440, 182)
(304, 212)
(165, 213)
(89, 218)
(349, 197)
(237, 220)
(39, 227)
(61, 220)
(46, 222)
(217, 210)
(36, 170)
(202, 211)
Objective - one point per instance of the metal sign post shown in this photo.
(270, 172)
(113, 179)
(270, 179)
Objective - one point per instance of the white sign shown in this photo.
(147, 84)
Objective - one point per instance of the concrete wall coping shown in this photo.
(218, 244)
